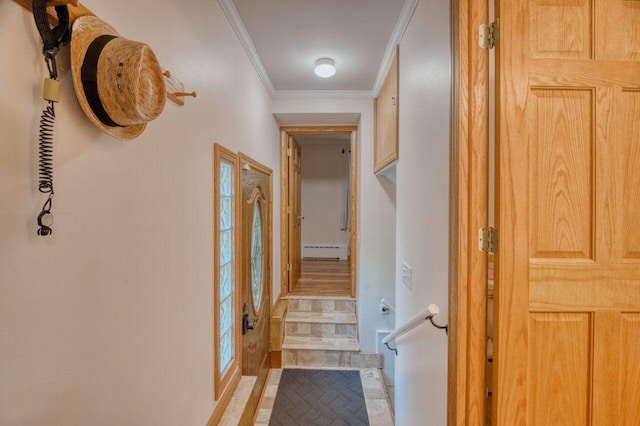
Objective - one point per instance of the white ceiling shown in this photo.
(284, 38)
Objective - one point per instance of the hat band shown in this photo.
(89, 76)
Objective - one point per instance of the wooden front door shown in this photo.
(256, 274)
(567, 344)
(295, 212)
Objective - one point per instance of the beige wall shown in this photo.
(324, 175)
(422, 213)
(109, 321)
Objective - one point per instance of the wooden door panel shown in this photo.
(629, 156)
(618, 26)
(569, 293)
(559, 348)
(386, 118)
(567, 328)
(561, 170)
(606, 367)
(561, 29)
(629, 373)
(581, 74)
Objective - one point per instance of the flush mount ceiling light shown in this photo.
(325, 68)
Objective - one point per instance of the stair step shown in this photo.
(301, 297)
(322, 305)
(340, 343)
(320, 329)
(330, 359)
(321, 317)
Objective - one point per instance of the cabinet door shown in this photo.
(386, 117)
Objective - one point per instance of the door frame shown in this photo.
(469, 205)
(285, 133)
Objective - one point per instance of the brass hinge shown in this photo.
(289, 152)
(488, 240)
(289, 210)
(489, 35)
(288, 267)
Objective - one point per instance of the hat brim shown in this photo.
(85, 30)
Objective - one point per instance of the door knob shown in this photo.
(246, 326)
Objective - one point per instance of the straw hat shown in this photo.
(118, 82)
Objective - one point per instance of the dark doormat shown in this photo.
(319, 397)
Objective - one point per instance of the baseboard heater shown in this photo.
(326, 251)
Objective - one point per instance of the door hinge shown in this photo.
(488, 240)
(289, 210)
(289, 152)
(489, 35)
(288, 267)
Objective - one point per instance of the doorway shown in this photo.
(318, 211)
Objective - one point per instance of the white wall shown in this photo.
(109, 320)
(422, 213)
(324, 180)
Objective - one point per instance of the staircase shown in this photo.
(322, 332)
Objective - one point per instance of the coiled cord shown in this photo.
(45, 150)
(45, 167)
(52, 40)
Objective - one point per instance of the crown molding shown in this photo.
(241, 31)
(402, 24)
(323, 94)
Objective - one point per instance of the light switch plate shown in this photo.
(406, 273)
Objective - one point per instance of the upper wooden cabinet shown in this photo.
(385, 106)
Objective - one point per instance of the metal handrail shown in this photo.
(426, 314)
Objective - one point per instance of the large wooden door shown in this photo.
(256, 274)
(295, 212)
(567, 344)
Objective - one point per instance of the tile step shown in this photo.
(320, 329)
(321, 317)
(321, 305)
(339, 343)
(294, 297)
(330, 358)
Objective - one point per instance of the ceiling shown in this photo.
(284, 38)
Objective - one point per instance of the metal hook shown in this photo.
(441, 327)
(184, 94)
(391, 349)
(50, 59)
